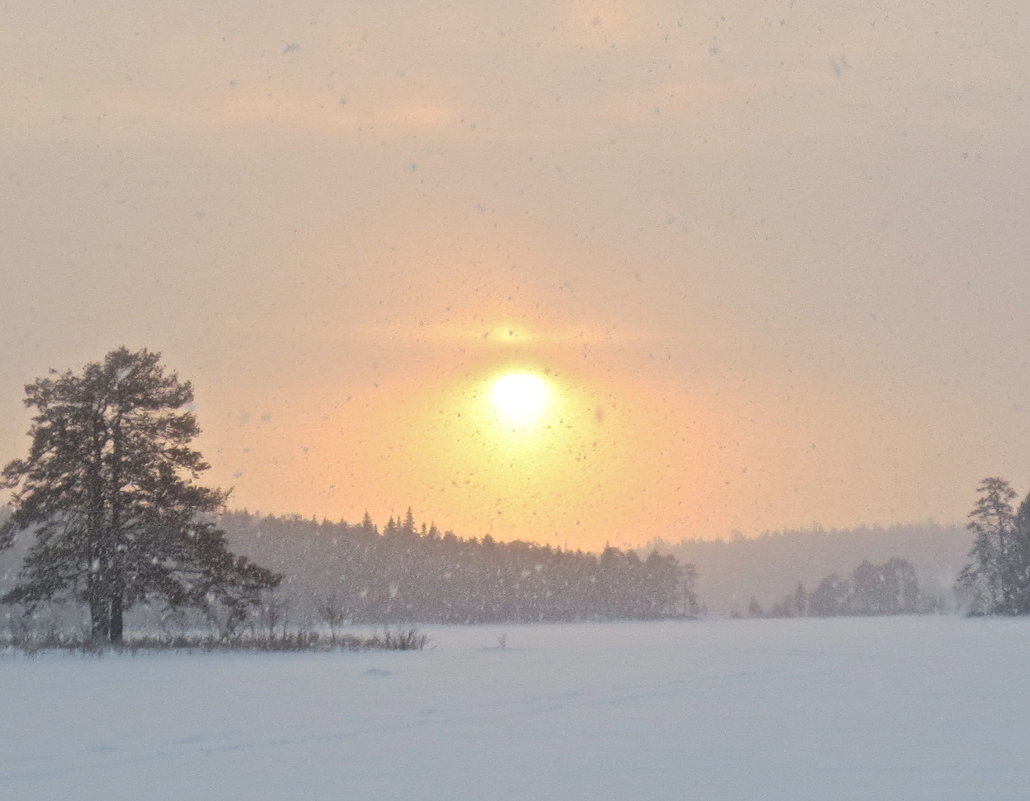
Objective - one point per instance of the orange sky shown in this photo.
(772, 258)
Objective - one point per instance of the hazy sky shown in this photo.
(772, 256)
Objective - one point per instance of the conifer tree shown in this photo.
(108, 491)
(1019, 563)
(988, 579)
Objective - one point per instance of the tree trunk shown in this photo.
(116, 619)
(99, 619)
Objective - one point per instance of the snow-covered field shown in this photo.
(873, 709)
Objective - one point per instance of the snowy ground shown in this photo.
(872, 709)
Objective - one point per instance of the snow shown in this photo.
(909, 708)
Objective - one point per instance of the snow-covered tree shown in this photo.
(992, 522)
(108, 491)
(997, 581)
(1019, 563)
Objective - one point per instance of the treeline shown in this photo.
(357, 573)
(770, 566)
(891, 588)
(996, 580)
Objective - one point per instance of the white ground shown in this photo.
(828, 710)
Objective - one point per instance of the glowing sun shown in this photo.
(520, 399)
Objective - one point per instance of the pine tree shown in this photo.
(367, 525)
(108, 491)
(1019, 562)
(992, 579)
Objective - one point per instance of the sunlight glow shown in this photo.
(520, 399)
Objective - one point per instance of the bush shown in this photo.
(29, 642)
(408, 640)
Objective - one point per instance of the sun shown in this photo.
(520, 399)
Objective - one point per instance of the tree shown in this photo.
(829, 598)
(903, 586)
(888, 589)
(997, 581)
(332, 612)
(800, 600)
(108, 490)
(1019, 566)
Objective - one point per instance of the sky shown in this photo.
(768, 257)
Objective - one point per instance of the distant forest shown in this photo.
(338, 572)
(342, 572)
(888, 589)
(410, 572)
(768, 568)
